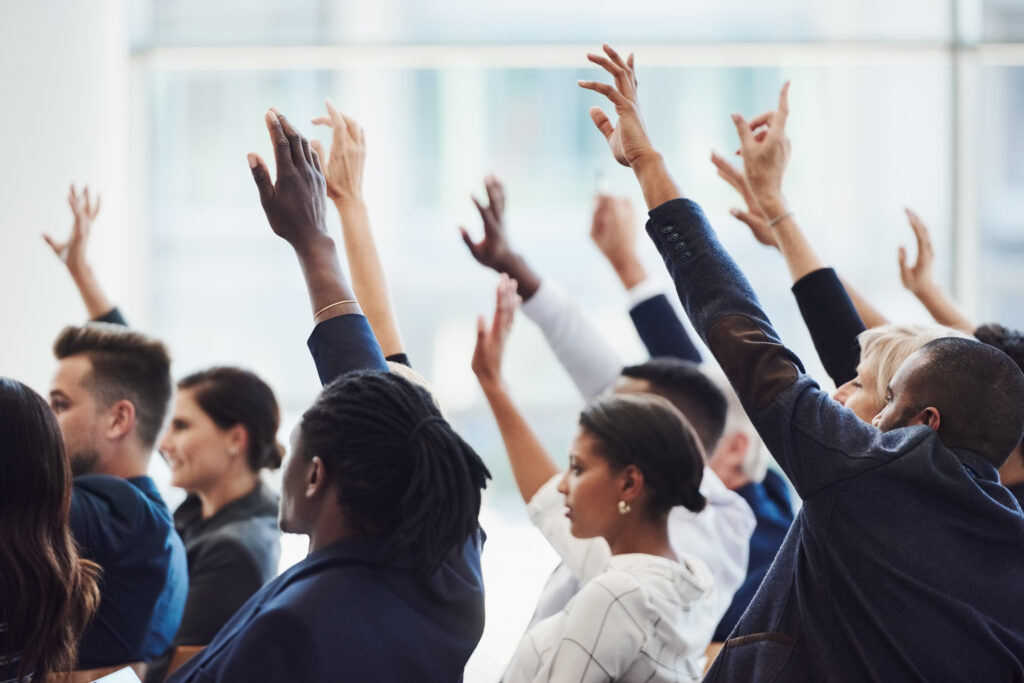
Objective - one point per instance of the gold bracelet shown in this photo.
(329, 306)
(780, 218)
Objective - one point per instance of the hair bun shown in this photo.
(695, 502)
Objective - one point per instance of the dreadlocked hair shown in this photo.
(400, 469)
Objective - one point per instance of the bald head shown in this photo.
(976, 390)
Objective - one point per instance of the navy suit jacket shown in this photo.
(346, 612)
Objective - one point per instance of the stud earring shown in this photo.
(624, 507)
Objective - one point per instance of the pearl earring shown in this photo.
(624, 507)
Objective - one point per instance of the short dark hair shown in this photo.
(233, 396)
(1010, 342)
(979, 392)
(647, 431)
(126, 365)
(400, 469)
(690, 391)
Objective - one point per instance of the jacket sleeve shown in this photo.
(661, 330)
(816, 441)
(833, 322)
(113, 316)
(577, 343)
(343, 344)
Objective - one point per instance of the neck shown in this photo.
(126, 463)
(641, 536)
(1012, 471)
(329, 528)
(226, 490)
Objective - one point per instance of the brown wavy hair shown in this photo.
(48, 594)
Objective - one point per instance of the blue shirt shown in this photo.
(124, 526)
(906, 561)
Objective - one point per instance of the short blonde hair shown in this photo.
(406, 372)
(886, 347)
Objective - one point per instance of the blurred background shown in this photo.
(155, 103)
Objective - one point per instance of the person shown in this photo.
(222, 433)
(1010, 342)
(720, 533)
(109, 394)
(645, 612)
(905, 561)
(739, 460)
(48, 593)
(387, 492)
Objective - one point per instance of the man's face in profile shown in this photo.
(77, 412)
(902, 408)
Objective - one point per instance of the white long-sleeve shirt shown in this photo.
(639, 618)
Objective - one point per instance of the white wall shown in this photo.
(64, 82)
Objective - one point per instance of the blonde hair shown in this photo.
(406, 372)
(886, 347)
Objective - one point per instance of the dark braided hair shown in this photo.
(399, 467)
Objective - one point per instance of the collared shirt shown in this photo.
(637, 617)
(124, 526)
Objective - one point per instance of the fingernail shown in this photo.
(736, 118)
(735, 212)
(271, 114)
(252, 160)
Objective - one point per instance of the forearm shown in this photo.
(832, 320)
(655, 180)
(95, 299)
(801, 258)
(368, 280)
(943, 309)
(530, 462)
(871, 316)
(661, 330)
(325, 281)
(519, 270)
(630, 271)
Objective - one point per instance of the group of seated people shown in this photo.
(671, 515)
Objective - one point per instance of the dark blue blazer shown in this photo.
(345, 613)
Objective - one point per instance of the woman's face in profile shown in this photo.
(860, 394)
(591, 489)
(198, 452)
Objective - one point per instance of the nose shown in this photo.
(166, 445)
(563, 484)
(842, 394)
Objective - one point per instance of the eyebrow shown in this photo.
(57, 393)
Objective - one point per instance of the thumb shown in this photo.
(56, 246)
(470, 244)
(602, 121)
(902, 256)
(261, 174)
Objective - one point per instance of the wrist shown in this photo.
(924, 290)
(491, 384)
(350, 201)
(772, 204)
(314, 247)
(630, 271)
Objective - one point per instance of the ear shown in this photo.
(632, 482)
(929, 416)
(238, 440)
(316, 477)
(120, 420)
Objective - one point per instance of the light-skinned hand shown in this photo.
(295, 201)
(494, 250)
(343, 165)
(614, 229)
(752, 217)
(766, 153)
(490, 342)
(72, 250)
(627, 138)
(918, 277)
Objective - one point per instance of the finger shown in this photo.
(307, 153)
(282, 147)
(494, 194)
(261, 175)
(783, 108)
(726, 170)
(901, 255)
(295, 139)
(924, 243)
(608, 91)
(57, 247)
(486, 214)
(743, 129)
(764, 119)
(316, 160)
(631, 63)
(610, 51)
(96, 209)
(601, 120)
(354, 129)
(759, 137)
(322, 121)
(473, 247)
(318, 147)
(623, 81)
(755, 223)
(335, 115)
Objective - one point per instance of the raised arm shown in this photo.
(343, 174)
(613, 230)
(530, 462)
(295, 206)
(72, 253)
(579, 346)
(816, 441)
(831, 310)
(919, 280)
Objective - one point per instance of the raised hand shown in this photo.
(628, 139)
(766, 154)
(294, 203)
(72, 250)
(494, 250)
(918, 277)
(343, 165)
(613, 230)
(490, 343)
(752, 217)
